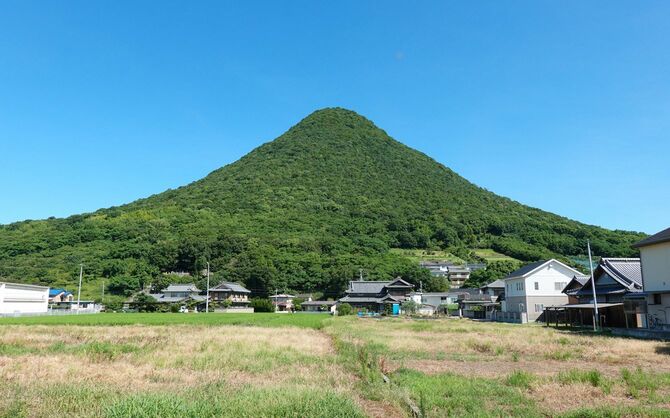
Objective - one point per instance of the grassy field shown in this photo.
(491, 255)
(304, 320)
(434, 255)
(427, 255)
(211, 365)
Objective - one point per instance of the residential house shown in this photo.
(318, 305)
(60, 296)
(235, 293)
(457, 276)
(532, 287)
(179, 293)
(575, 286)
(655, 261)
(494, 289)
(283, 302)
(435, 299)
(614, 279)
(437, 268)
(374, 296)
(17, 299)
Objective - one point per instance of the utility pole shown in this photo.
(81, 274)
(207, 300)
(360, 274)
(103, 290)
(593, 286)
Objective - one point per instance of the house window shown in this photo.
(537, 285)
(519, 286)
(559, 286)
(539, 307)
(656, 299)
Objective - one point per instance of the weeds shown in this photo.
(520, 379)
(593, 377)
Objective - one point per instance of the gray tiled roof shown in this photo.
(497, 284)
(319, 302)
(627, 270)
(663, 236)
(184, 287)
(230, 287)
(356, 299)
(364, 286)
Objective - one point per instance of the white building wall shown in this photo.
(656, 267)
(547, 279)
(543, 287)
(20, 298)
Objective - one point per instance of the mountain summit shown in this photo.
(331, 195)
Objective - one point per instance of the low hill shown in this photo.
(306, 211)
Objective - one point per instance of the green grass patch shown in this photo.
(520, 379)
(619, 411)
(491, 255)
(560, 355)
(640, 383)
(314, 321)
(247, 403)
(592, 377)
(455, 395)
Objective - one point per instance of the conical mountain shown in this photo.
(331, 195)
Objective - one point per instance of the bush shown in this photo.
(344, 309)
(409, 307)
(262, 305)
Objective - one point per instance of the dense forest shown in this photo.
(304, 212)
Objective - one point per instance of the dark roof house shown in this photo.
(373, 295)
(614, 278)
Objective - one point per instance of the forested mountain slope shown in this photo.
(302, 212)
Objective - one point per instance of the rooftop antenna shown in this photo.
(593, 287)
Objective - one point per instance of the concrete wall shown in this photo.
(527, 304)
(20, 298)
(656, 267)
(660, 311)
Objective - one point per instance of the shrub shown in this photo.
(262, 305)
(344, 309)
(409, 307)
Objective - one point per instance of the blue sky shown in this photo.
(563, 106)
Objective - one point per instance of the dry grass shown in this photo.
(469, 341)
(175, 359)
(495, 351)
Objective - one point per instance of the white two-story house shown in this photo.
(532, 287)
(655, 261)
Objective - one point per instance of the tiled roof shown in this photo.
(364, 286)
(186, 287)
(497, 284)
(663, 236)
(230, 287)
(319, 302)
(356, 299)
(627, 270)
